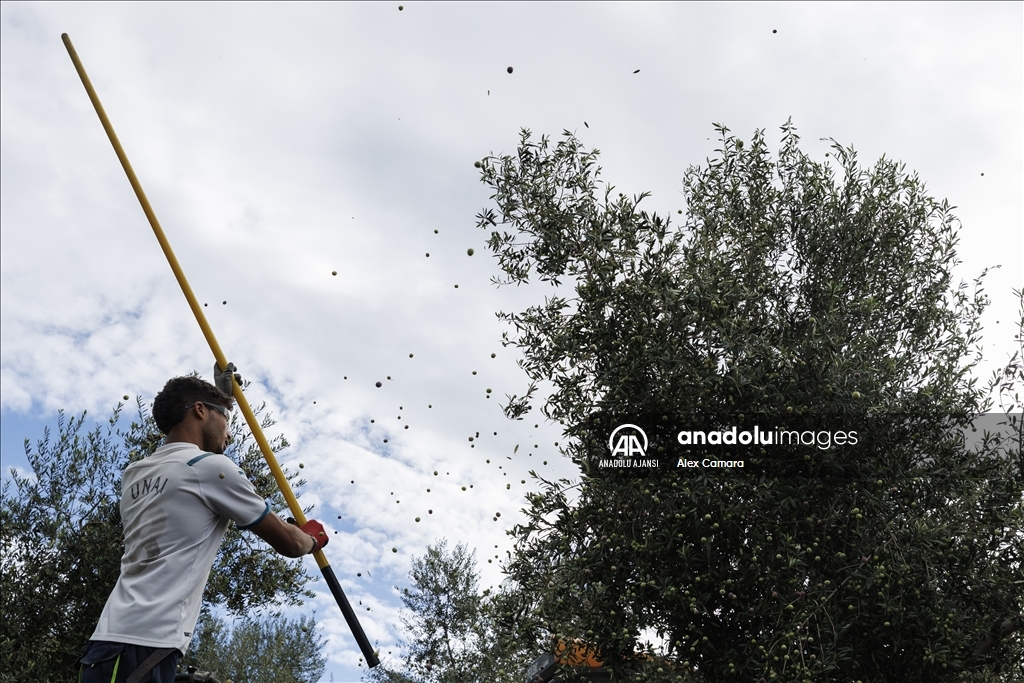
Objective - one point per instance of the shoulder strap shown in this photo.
(158, 656)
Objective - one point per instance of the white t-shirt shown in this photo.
(175, 506)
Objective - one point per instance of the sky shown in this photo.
(280, 143)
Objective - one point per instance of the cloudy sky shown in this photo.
(281, 142)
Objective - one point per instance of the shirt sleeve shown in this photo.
(227, 491)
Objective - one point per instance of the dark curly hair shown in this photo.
(179, 393)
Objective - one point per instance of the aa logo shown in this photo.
(628, 441)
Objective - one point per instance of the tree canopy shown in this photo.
(794, 293)
(62, 539)
(449, 626)
(266, 649)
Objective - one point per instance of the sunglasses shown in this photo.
(213, 406)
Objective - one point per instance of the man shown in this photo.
(175, 507)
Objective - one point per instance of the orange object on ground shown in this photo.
(576, 652)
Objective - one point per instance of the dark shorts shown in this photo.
(105, 662)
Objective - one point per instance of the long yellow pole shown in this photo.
(218, 354)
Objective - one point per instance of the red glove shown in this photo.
(316, 530)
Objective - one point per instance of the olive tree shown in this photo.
(792, 292)
(449, 626)
(258, 649)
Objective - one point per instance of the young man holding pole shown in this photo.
(175, 507)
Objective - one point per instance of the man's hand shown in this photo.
(222, 378)
(290, 539)
(314, 530)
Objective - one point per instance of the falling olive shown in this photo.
(509, 69)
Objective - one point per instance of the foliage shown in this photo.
(450, 626)
(62, 540)
(268, 649)
(788, 293)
